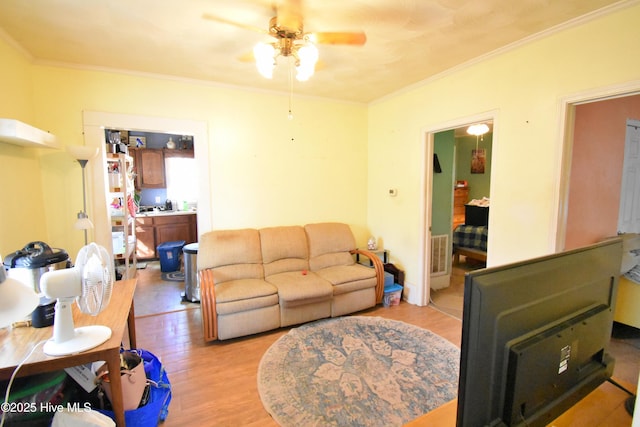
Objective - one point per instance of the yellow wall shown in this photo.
(22, 217)
(522, 89)
(15, 85)
(264, 169)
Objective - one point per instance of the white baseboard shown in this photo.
(440, 282)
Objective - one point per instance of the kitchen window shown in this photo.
(182, 183)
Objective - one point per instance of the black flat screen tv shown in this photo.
(535, 336)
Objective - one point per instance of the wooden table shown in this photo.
(15, 344)
(603, 406)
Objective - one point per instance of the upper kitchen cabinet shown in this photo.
(178, 153)
(150, 168)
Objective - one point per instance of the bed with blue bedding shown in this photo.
(470, 241)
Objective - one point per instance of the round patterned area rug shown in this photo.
(357, 371)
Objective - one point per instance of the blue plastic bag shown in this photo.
(157, 407)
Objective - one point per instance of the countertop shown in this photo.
(166, 213)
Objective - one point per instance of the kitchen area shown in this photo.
(152, 194)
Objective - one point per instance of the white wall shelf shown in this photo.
(18, 133)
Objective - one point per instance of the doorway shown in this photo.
(94, 124)
(464, 162)
(592, 168)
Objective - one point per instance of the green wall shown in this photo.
(442, 197)
(479, 183)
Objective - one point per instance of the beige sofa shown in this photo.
(255, 280)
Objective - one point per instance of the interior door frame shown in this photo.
(94, 124)
(630, 174)
(426, 191)
(566, 134)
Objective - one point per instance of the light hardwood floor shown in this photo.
(155, 296)
(215, 384)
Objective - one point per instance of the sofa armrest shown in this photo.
(379, 267)
(208, 305)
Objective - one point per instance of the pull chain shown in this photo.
(290, 116)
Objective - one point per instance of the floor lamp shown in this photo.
(83, 154)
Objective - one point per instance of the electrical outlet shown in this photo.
(157, 199)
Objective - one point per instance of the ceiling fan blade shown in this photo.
(351, 38)
(247, 57)
(289, 15)
(235, 24)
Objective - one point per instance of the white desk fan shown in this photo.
(90, 283)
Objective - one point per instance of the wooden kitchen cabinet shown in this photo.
(146, 241)
(174, 227)
(178, 153)
(153, 230)
(150, 168)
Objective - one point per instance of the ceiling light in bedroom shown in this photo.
(478, 129)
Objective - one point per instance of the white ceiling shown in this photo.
(407, 40)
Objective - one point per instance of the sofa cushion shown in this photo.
(244, 294)
(296, 288)
(237, 272)
(349, 278)
(237, 248)
(284, 249)
(329, 245)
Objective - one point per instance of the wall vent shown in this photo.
(439, 254)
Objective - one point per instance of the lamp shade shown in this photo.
(83, 222)
(264, 54)
(17, 300)
(308, 55)
(82, 152)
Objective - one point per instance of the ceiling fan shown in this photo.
(287, 27)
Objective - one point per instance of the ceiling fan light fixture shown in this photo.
(478, 129)
(307, 57)
(287, 28)
(265, 55)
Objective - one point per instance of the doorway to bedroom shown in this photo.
(459, 203)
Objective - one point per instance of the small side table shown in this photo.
(383, 254)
